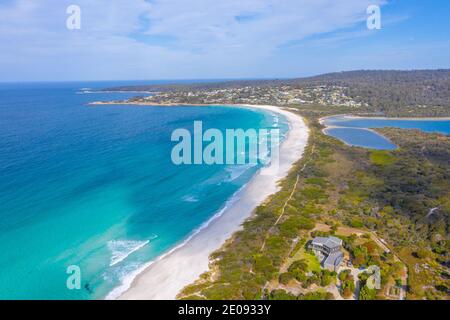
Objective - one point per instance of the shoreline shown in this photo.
(149, 104)
(401, 118)
(326, 126)
(350, 116)
(165, 277)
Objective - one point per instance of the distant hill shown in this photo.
(389, 91)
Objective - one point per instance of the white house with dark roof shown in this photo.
(328, 251)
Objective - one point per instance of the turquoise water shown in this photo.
(95, 186)
(353, 131)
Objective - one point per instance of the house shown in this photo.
(328, 251)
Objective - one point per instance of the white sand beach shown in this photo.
(164, 278)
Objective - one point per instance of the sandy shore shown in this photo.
(323, 120)
(164, 278)
(349, 116)
(401, 118)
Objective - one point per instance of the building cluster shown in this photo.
(276, 95)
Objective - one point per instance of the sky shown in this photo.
(213, 39)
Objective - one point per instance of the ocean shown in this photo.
(95, 187)
(356, 131)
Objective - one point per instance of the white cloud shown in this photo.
(160, 38)
(209, 24)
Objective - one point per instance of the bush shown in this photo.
(298, 269)
(421, 253)
(347, 292)
(382, 158)
(318, 295)
(264, 265)
(356, 223)
(281, 295)
(367, 294)
(298, 265)
(347, 283)
(285, 278)
(326, 280)
(344, 275)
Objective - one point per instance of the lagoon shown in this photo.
(356, 131)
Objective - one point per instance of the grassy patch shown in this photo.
(310, 259)
(382, 158)
(317, 181)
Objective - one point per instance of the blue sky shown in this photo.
(210, 39)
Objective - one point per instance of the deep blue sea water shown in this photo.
(353, 131)
(94, 186)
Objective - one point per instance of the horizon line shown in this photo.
(221, 79)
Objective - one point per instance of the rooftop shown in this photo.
(333, 260)
(330, 242)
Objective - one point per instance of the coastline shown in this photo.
(165, 277)
(326, 126)
(149, 104)
(401, 118)
(350, 116)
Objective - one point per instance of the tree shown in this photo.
(285, 278)
(421, 253)
(367, 294)
(281, 295)
(344, 274)
(347, 293)
(300, 265)
(326, 280)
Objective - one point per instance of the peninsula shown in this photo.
(369, 199)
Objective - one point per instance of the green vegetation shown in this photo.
(365, 293)
(347, 284)
(283, 295)
(401, 196)
(389, 193)
(286, 278)
(392, 93)
(382, 158)
(363, 254)
(309, 258)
